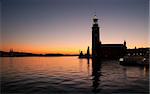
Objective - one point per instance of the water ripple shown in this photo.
(68, 74)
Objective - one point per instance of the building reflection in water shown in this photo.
(96, 73)
(146, 71)
(88, 66)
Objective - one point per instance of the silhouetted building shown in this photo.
(81, 54)
(11, 53)
(88, 52)
(87, 55)
(145, 52)
(108, 51)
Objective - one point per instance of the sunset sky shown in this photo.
(64, 26)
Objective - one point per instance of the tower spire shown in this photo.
(95, 20)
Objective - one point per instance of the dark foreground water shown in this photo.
(70, 75)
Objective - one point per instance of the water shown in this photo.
(49, 75)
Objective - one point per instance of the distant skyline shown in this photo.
(64, 26)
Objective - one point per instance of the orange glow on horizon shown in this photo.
(72, 48)
(61, 50)
(48, 50)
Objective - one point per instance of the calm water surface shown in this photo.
(49, 75)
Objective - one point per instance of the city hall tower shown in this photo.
(95, 36)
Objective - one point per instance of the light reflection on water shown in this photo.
(70, 75)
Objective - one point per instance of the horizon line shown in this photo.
(73, 53)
